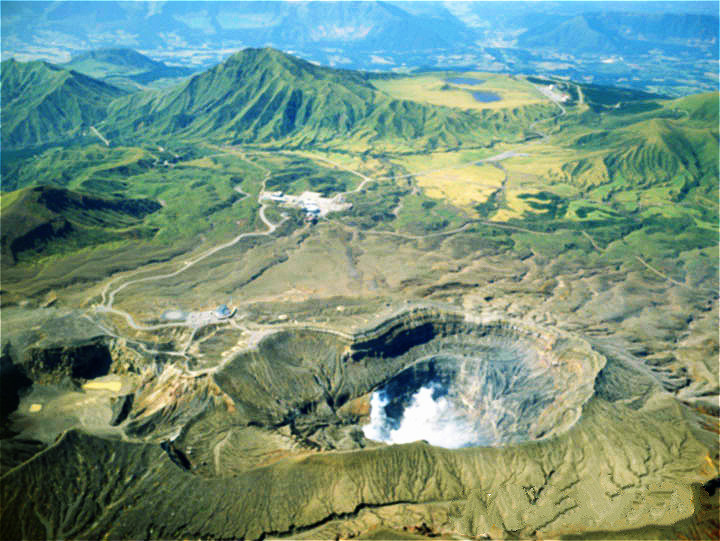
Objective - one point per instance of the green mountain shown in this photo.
(667, 150)
(578, 33)
(124, 67)
(127, 60)
(674, 146)
(49, 220)
(263, 95)
(700, 107)
(614, 32)
(43, 103)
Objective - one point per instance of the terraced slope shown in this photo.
(43, 103)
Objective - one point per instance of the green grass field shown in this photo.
(434, 89)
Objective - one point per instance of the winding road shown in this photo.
(111, 289)
(108, 295)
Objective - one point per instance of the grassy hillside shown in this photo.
(43, 103)
(638, 182)
(701, 107)
(628, 169)
(93, 167)
(53, 220)
(647, 153)
(265, 96)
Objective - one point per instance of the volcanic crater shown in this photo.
(452, 379)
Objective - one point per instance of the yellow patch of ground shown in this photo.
(113, 386)
(541, 160)
(8, 198)
(548, 161)
(516, 206)
(365, 165)
(434, 89)
(463, 186)
(503, 215)
(205, 162)
(426, 163)
(34, 408)
(328, 158)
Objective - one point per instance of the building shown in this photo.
(274, 196)
(222, 312)
(311, 208)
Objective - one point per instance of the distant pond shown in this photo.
(485, 97)
(464, 81)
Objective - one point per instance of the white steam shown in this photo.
(377, 428)
(436, 421)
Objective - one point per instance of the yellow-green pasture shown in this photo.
(205, 162)
(464, 186)
(8, 198)
(433, 88)
(417, 164)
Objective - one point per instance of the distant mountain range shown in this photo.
(659, 45)
(392, 26)
(619, 33)
(124, 67)
(368, 25)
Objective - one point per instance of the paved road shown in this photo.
(108, 295)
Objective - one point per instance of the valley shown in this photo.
(185, 354)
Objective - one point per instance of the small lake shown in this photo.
(464, 81)
(485, 97)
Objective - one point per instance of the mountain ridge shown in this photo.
(43, 102)
(264, 95)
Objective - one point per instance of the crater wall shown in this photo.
(305, 378)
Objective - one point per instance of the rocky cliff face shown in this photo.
(85, 360)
